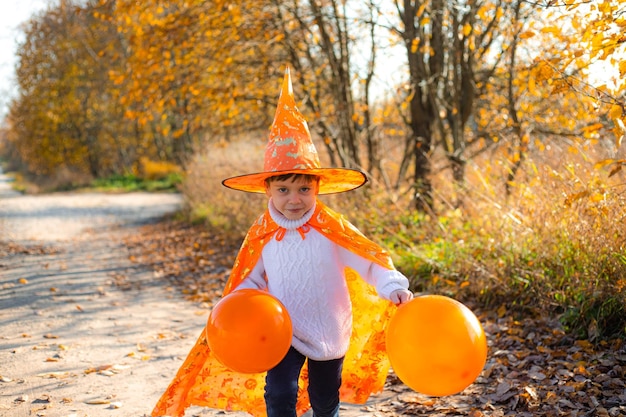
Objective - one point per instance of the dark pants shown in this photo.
(281, 386)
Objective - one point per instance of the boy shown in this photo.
(307, 256)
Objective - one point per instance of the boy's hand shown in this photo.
(399, 297)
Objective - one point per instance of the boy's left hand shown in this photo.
(399, 297)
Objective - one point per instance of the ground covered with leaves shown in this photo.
(534, 368)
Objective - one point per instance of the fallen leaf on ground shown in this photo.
(97, 401)
(97, 369)
(58, 375)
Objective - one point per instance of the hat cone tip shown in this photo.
(287, 89)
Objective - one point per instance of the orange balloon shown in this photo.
(436, 345)
(249, 331)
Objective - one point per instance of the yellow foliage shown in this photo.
(559, 86)
(527, 34)
(615, 112)
(467, 29)
(421, 9)
(551, 29)
(543, 71)
(622, 68)
(414, 44)
(154, 170)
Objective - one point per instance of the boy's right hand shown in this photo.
(399, 297)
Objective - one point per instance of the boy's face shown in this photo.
(292, 197)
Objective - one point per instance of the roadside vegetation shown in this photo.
(127, 183)
(554, 247)
(154, 176)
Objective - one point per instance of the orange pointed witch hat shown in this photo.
(291, 150)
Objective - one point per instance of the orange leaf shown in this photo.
(527, 34)
(615, 112)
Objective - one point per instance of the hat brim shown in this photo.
(332, 180)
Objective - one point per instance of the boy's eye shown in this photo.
(305, 189)
(282, 190)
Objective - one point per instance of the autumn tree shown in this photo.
(196, 70)
(64, 118)
(222, 61)
(542, 95)
(599, 27)
(453, 48)
(317, 40)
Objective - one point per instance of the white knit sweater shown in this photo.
(306, 273)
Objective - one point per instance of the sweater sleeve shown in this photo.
(255, 279)
(384, 280)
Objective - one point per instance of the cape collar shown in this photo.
(324, 220)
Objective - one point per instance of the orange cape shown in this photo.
(202, 380)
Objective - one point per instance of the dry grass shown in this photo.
(208, 200)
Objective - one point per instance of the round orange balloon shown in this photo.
(249, 331)
(436, 345)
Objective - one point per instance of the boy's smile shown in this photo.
(292, 197)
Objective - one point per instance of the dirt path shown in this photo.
(85, 331)
(77, 338)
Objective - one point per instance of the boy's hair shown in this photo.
(293, 176)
